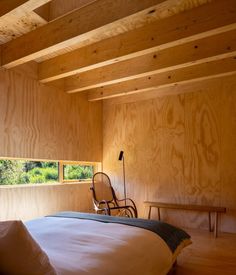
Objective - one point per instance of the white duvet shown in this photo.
(76, 246)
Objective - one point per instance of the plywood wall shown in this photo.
(44, 123)
(178, 148)
(34, 201)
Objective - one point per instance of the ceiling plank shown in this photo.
(71, 29)
(16, 6)
(179, 88)
(61, 7)
(175, 30)
(200, 51)
(190, 74)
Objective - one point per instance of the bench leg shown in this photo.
(149, 212)
(159, 214)
(209, 218)
(216, 224)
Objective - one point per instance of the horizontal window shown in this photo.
(16, 172)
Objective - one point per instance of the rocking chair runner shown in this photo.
(105, 200)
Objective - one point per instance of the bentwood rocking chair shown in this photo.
(105, 200)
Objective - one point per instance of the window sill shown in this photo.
(43, 184)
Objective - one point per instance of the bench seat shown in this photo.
(191, 207)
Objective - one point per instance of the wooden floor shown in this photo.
(207, 255)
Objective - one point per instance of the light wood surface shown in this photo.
(156, 13)
(178, 149)
(70, 29)
(159, 35)
(34, 201)
(167, 8)
(44, 123)
(207, 255)
(159, 81)
(228, 152)
(153, 37)
(181, 56)
(18, 6)
(61, 7)
(29, 70)
(17, 17)
(176, 89)
(44, 11)
(190, 207)
(193, 207)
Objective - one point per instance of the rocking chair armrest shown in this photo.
(132, 205)
(128, 199)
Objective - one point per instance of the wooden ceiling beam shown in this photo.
(15, 7)
(203, 50)
(169, 32)
(179, 88)
(190, 74)
(74, 27)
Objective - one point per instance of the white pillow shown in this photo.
(19, 253)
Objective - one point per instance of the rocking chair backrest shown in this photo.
(102, 187)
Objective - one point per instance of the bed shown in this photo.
(80, 243)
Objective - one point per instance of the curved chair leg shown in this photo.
(127, 212)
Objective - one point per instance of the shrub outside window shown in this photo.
(77, 172)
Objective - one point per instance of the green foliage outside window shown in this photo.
(24, 172)
(78, 172)
(14, 172)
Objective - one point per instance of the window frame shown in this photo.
(82, 163)
(61, 180)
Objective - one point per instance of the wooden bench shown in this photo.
(202, 208)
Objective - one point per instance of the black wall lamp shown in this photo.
(122, 158)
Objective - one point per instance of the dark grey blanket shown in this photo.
(172, 235)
